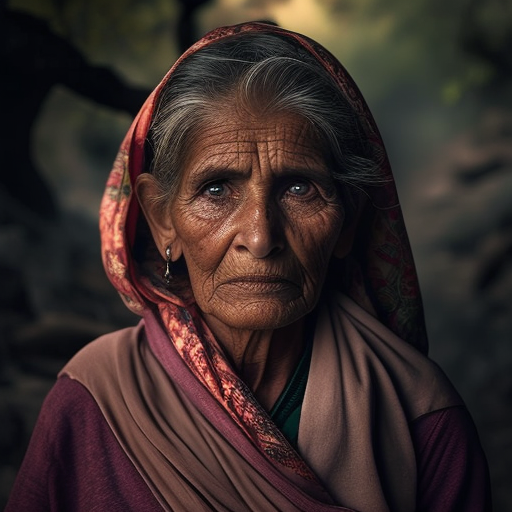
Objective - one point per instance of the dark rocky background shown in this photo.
(438, 77)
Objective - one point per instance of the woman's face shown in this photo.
(256, 217)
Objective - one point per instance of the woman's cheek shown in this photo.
(319, 240)
(194, 222)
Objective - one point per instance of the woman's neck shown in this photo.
(264, 360)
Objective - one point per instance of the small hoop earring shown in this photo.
(167, 275)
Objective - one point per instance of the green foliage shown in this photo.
(455, 48)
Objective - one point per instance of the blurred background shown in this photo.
(438, 78)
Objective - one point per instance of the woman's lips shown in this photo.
(263, 285)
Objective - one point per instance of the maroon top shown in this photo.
(75, 463)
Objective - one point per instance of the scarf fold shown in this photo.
(197, 348)
(365, 387)
(185, 445)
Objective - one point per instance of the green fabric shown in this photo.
(287, 409)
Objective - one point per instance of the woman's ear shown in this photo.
(159, 219)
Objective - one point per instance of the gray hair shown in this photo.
(263, 73)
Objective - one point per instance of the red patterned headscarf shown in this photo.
(378, 274)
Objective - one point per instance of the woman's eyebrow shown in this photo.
(221, 172)
(318, 174)
(310, 172)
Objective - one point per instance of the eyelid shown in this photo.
(288, 181)
(211, 175)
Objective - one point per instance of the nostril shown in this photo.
(260, 241)
(274, 251)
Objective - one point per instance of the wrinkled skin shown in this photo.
(257, 219)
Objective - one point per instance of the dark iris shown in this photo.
(216, 189)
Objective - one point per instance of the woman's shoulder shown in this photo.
(74, 461)
(103, 352)
(419, 382)
(452, 468)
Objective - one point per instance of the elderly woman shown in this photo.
(252, 220)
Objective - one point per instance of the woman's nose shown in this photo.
(260, 230)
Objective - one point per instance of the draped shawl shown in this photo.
(368, 377)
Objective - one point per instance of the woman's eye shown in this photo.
(215, 189)
(299, 188)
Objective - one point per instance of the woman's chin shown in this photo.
(260, 315)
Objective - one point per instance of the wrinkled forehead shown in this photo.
(284, 140)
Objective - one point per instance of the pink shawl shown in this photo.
(365, 387)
